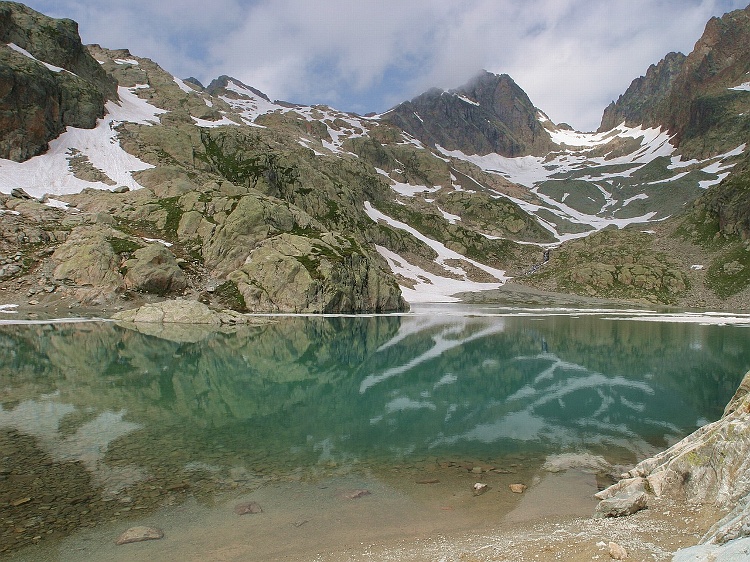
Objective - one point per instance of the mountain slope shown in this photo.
(700, 98)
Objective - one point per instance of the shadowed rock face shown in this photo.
(646, 96)
(37, 102)
(691, 96)
(491, 113)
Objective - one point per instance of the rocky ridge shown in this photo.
(693, 96)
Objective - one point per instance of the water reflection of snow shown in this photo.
(88, 444)
(449, 338)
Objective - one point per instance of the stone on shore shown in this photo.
(621, 505)
(617, 552)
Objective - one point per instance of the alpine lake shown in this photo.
(341, 431)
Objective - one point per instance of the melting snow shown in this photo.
(50, 172)
(184, 87)
(430, 287)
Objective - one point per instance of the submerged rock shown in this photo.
(140, 534)
(248, 508)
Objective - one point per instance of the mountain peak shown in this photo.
(225, 82)
(490, 113)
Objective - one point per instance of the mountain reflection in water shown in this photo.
(303, 390)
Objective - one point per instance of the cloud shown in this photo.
(571, 56)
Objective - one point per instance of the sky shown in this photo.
(572, 57)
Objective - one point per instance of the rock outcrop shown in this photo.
(179, 312)
(300, 274)
(490, 113)
(712, 467)
(48, 81)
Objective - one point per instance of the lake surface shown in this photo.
(102, 424)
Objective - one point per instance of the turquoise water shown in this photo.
(138, 417)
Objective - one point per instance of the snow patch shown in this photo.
(467, 100)
(448, 216)
(159, 240)
(25, 53)
(182, 86)
(430, 287)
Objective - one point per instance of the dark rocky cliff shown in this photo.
(37, 102)
(644, 100)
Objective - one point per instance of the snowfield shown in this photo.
(50, 173)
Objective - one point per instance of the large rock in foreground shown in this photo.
(710, 466)
(181, 312)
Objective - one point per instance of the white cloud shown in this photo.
(571, 56)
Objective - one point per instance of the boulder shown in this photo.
(172, 311)
(153, 269)
(87, 260)
(139, 534)
(621, 505)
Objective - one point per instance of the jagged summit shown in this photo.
(699, 99)
(645, 99)
(489, 114)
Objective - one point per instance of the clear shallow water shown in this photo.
(119, 420)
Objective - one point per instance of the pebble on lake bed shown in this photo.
(247, 507)
(356, 494)
(139, 534)
(518, 488)
(480, 488)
